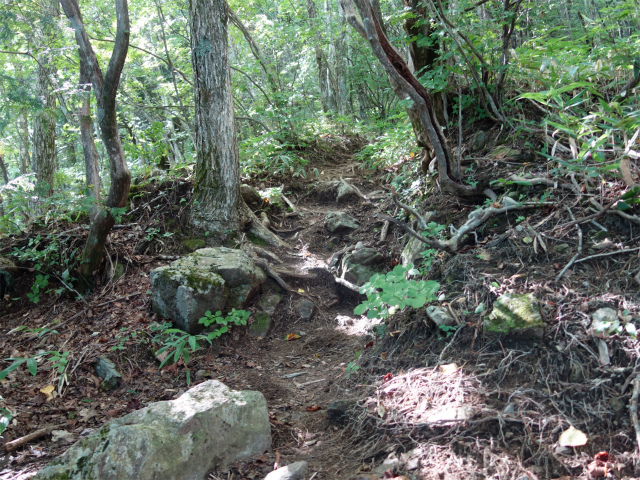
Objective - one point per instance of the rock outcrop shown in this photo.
(208, 427)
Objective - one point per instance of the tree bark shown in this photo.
(91, 166)
(23, 133)
(3, 170)
(218, 207)
(327, 97)
(105, 89)
(44, 129)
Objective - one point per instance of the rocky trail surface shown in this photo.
(353, 399)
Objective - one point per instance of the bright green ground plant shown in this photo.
(394, 291)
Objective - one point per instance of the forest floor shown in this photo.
(426, 403)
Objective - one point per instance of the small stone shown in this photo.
(293, 471)
(479, 141)
(106, 370)
(269, 303)
(440, 316)
(337, 411)
(516, 315)
(261, 324)
(305, 308)
(604, 322)
(340, 222)
(251, 196)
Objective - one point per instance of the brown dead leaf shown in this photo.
(292, 336)
(313, 408)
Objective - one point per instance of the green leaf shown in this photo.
(192, 343)
(17, 362)
(32, 365)
(360, 309)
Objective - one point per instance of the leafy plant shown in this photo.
(352, 366)
(392, 292)
(58, 361)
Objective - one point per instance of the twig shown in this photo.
(626, 216)
(633, 409)
(385, 230)
(287, 201)
(41, 432)
(422, 222)
(543, 181)
(591, 217)
(616, 252)
(455, 335)
(126, 297)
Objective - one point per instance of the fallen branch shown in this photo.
(385, 230)
(348, 284)
(41, 432)
(633, 410)
(293, 208)
(626, 216)
(608, 254)
(476, 218)
(543, 181)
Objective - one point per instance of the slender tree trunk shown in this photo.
(327, 99)
(91, 166)
(3, 170)
(44, 129)
(341, 65)
(23, 133)
(105, 89)
(407, 84)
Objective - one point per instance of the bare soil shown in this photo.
(430, 404)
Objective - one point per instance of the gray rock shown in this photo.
(251, 196)
(516, 315)
(345, 192)
(360, 265)
(440, 316)
(269, 303)
(325, 190)
(604, 322)
(293, 471)
(261, 324)
(208, 279)
(478, 142)
(337, 410)
(208, 427)
(304, 307)
(106, 370)
(340, 222)
(411, 251)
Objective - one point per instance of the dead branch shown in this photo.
(264, 265)
(543, 181)
(608, 254)
(293, 208)
(41, 432)
(476, 218)
(422, 222)
(633, 410)
(626, 216)
(348, 284)
(355, 189)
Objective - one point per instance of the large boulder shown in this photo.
(208, 427)
(208, 279)
(340, 222)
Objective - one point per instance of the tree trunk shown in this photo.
(105, 89)
(217, 207)
(23, 133)
(91, 166)
(341, 65)
(3, 169)
(44, 129)
(407, 84)
(327, 99)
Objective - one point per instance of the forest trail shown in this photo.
(422, 402)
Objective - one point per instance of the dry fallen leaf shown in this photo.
(449, 368)
(48, 391)
(572, 437)
(292, 336)
(312, 408)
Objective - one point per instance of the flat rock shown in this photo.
(340, 222)
(106, 370)
(293, 471)
(261, 324)
(345, 193)
(208, 427)
(305, 308)
(208, 279)
(269, 303)
(516, 315)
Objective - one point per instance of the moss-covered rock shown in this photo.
(191, 244)
(261, 324)
(517, 315)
